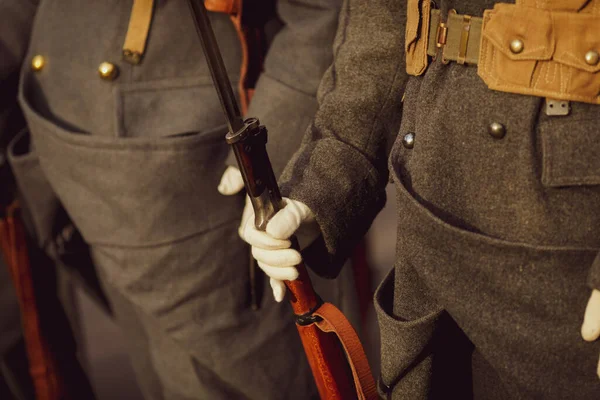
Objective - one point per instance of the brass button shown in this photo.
(108, 71)
(517, 46)
(38, 62)
(497, 130)
(592, 57)
(408, 141)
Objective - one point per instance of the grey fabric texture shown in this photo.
(499, 235)
(136, 162)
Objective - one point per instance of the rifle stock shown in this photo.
(43, 365)
(325, 333)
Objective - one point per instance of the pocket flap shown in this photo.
(530, 25)
(570, 152)
(576, 36)
(405, 342)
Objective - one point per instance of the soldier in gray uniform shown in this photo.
(496, 170)
(134, 152)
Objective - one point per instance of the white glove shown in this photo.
(231, 182)
(590, 330)
(272, 248)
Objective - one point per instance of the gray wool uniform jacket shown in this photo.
(136, 160)
(494, 264)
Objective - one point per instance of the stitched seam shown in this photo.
(547, 163)
(539, 77)
(496, 75)
(555, 72)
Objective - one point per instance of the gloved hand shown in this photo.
(590, 330)
(272, 248)
(231, 182)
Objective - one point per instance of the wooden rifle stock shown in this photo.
(334, 352)
(43, 366)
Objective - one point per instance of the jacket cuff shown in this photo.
(344, 201)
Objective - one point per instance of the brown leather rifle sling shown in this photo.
(43, 365)
(334, 352)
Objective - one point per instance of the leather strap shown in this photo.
(252, 40)
(137, 32)
(231, 7)
(334, 321)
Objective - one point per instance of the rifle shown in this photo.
(324, 331)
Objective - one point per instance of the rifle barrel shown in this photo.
(216, 65)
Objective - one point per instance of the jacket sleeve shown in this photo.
(16, 18)
(340, 170)
(285, 97)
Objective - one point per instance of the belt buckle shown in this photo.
(442, 37)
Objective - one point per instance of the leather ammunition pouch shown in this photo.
(548, 49)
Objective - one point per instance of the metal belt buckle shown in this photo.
(442, 40)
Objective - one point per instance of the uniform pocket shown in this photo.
(505, 296)
(157, 227)
(168, 107)
(135, 191)
(570, 147)
(406, 341)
